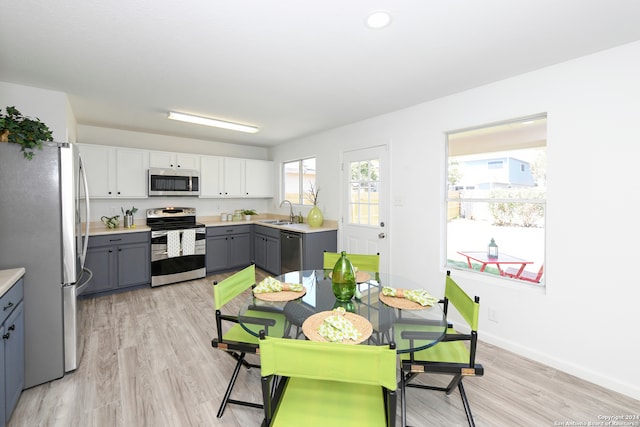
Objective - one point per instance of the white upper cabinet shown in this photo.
(259, 178)
(168, 160)
(131, 177)
(211, 176)
(123, 172)
(235, 178)
(115, 171)
(100, 166)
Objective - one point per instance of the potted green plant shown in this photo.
(26, 131)
(247, 213)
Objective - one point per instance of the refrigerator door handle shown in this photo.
(86, 223)
(82, 286)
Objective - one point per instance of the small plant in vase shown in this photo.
(247, 214)
(314, 218)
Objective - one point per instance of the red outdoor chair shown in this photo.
(526, 275)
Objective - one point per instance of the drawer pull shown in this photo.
(8, 306)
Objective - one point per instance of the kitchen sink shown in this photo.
(276, 221)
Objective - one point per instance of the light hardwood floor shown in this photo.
(148, 361)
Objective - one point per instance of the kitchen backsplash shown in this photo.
(204, 207)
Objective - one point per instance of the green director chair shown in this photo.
(327, 384)
(235, 340)
(455, 355)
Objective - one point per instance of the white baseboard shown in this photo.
(631, 390)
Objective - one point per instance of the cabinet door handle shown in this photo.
(8, 306)
(115, 240)
(6, 336)
(12, 327)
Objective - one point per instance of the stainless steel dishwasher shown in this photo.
(290, 251)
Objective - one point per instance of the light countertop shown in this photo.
(9, 277)
(97, 228)
(214, 221)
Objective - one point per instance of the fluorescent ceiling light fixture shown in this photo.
(212, 122)
(378, 19)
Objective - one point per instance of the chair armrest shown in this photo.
(266, 309)
(456, 337)
(419, 335)
(229, 318)
(258, 321)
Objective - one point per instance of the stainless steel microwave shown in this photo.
(174, 182)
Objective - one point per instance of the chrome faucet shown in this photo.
(291, 215)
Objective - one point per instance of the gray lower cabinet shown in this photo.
(12, 351)
(314, 245)
(118, 262)
(228, 247)
(266, 246)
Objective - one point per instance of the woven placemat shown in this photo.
(281, 296)
(401, 303)
(311, 325)
(361, 276)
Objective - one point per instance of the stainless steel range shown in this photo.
(178, 245)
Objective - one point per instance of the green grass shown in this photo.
(476, 266)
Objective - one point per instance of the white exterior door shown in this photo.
(365, 207)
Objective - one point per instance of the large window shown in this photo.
(298, 177)
(496, 189)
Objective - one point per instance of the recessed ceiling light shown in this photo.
(378, 19)
(183, 117)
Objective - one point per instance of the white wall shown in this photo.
(151, 141)
(51, 107)
(584, 322)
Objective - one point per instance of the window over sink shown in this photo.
(298, 176)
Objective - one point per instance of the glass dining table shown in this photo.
(382, 319)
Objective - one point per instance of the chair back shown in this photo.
(229, 288)
(361, 364)
(468, 308)
(364, 262)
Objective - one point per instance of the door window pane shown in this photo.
(364, 206)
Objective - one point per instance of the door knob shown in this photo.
(382, 236)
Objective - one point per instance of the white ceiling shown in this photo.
(291, 67)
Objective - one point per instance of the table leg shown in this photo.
(484, 265)
(499, 269)
(469, 263)
(520, 271)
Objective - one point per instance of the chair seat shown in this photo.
(334, 403)
(448, 351)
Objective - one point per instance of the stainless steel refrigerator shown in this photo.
(43, 204)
